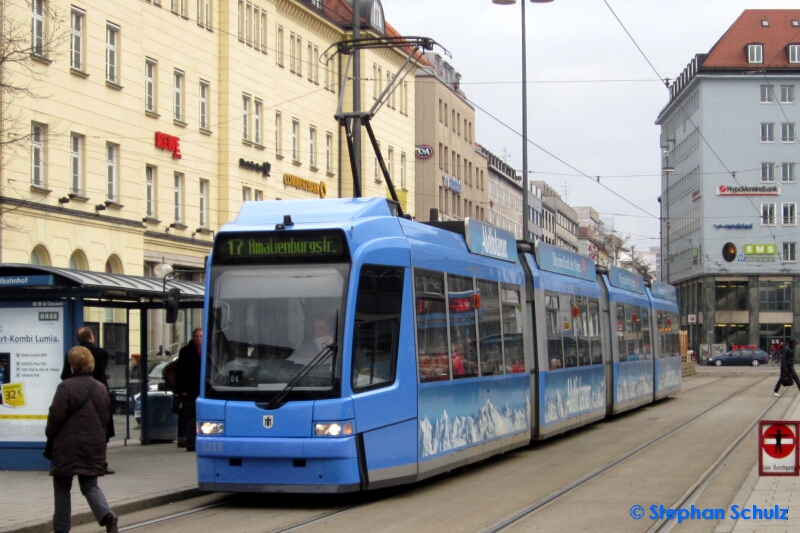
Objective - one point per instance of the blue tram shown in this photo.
(351, 349)
(664, 314)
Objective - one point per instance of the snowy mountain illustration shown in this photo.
(488, 423)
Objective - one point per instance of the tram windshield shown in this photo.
(269, 323)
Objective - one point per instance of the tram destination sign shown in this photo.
(491, 241)
(276, 247)
(664, 291)
(625, 279)
(560, 261)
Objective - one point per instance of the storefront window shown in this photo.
(731, 334)
(775, 296)
(772, 336)
(731, 295)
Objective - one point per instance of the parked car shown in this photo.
(740, 357)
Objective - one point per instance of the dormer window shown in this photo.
(376, 18)
(755, 53)
(765, 23)
(794, 53)
(317, 4)
(796, 23)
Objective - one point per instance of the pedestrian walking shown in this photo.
(189, 383)
(76, 425)
(788, 373)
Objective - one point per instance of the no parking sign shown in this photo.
(777, 448)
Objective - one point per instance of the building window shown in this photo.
(177, 196)
(204, 94)
(37, 154)
(767, 172)
(298, 62)
(240, 20)
(256, 33)
(262, 32)
(203, 203)
(246, 191)
(755, 53)
(248, 15)
(295, 140)
(279, 46)
(767, 214)
(150, 85)
(312, 147)
(315, 63)
(731, 295)
(76, 38)
(402, 170)
(329, 153)
(767, 132)
(112, 41)
(177, 92)
(787, 94)
(789, 214)
(775, 295)
(790, 252)
(310, 62)
(179, 7)
(259, 196)
(37, 27)
(794, 53)
(787, 132)
(257, 121)
(767, 95)
(787, 173)
(112, 171)
(76, 164)
(278, 137)
(150, 191)
(246, 117)
(389, 162)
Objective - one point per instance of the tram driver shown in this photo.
(321, 335)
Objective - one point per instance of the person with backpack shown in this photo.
(188, 384)
(788, 373)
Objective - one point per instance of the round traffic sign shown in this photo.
(778, 441)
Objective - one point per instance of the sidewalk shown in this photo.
(146, 476)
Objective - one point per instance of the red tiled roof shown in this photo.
(731, 50)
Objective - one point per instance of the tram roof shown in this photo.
(92, 284)
(327, 211)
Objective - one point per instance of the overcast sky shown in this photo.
(592, 97)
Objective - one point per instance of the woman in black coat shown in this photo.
(77, 425)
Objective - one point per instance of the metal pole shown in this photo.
(666, 179)
(357, 92)
(524, 130)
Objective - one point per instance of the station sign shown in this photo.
(625, 279)
(25, 281)
(560, 261)
(777, 448)
(664, 291)
(491, 241)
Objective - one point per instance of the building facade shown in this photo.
(449, 174)
(566, 219)
(149, 123)
(729, 188)
(505, 194)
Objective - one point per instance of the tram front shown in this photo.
(271, 417)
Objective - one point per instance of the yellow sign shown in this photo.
(14, 394)
(567, 325)
(303, 184)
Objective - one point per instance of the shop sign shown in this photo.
(733, 226)
(170, 143)
(760, 249)
(747, 190)
(264, 167)
(452, 183)
(424, 151)
(290, 180)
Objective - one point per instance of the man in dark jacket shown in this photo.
(85, 338)
(77, 425)
(787, 365)
(189, 382)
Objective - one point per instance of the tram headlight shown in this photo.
(212, 428)
(333, 429)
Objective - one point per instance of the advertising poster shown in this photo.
(571, 392)
(31, 359)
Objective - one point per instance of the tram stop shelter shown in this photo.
(41, 308)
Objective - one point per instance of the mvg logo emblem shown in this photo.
(268, 421)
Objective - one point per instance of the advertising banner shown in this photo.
(31, 360)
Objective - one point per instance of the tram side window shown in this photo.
(432, 349)
(622, 333)
(491, 345)
(647, 341)
(555, 349)
(569, 333)
(674, 335)
(582, 329)
(377, 327)
(512, 331)
(594, 332)
(461, 299)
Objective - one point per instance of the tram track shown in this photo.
(693, 492)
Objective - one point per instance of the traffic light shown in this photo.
(172, 303)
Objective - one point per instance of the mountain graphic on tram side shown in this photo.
(488, 423)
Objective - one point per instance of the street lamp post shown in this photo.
(524, 114)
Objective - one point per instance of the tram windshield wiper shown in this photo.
(324, 353)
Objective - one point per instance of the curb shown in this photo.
(87, 517)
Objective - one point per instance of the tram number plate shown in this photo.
(211, 446)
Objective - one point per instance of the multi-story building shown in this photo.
(448, 175)
(148, 123)
(729, 189)
(566, 219)
(505, 194)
